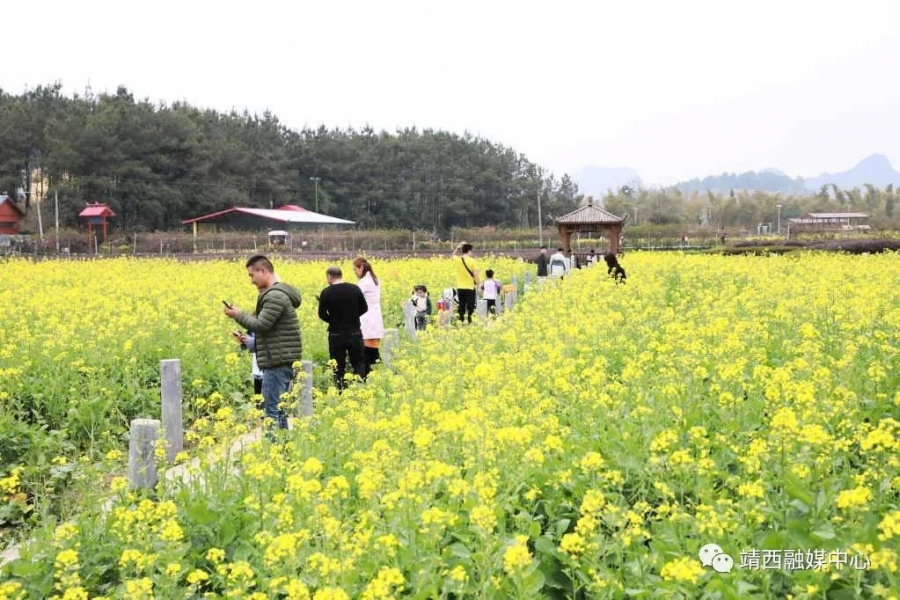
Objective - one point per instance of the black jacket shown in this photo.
(340, 305)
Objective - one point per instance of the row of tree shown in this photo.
(737, 209)
(156, 164)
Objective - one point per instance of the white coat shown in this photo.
(371, 321)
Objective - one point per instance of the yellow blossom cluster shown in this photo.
(590, 439)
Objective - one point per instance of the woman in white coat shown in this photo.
(371, 322)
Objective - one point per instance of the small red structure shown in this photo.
(10, 215)
(96, 214)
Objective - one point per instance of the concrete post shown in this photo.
(481, 309)
(510, 300)
(170, 377)
(409, 320)
(389, 345)
(306, 392)
(141, 453)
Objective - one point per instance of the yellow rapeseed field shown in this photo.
(588, 444)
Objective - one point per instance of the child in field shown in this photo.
(248, 342)
(490, 291)
(422, 303)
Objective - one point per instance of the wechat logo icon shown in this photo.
(712, 555)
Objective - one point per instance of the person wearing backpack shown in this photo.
(467, 281)
(559, 264)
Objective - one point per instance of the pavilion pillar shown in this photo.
(615, 238)
(565, 238)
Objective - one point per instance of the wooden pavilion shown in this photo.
(96, 214)
(590, 219)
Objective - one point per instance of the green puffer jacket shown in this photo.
(276, 326)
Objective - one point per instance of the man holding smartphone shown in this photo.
(277, 330)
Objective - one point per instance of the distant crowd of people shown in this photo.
(354, 316)
(558, 264)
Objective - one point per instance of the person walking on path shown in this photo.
(467, 281)
(277, 334)
(341, 305)
(543, 263)
(371, 322)
(490, 291)
(559, 264)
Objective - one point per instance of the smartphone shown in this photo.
(226, 304)
(236, 334)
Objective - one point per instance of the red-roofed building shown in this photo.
(289, 213)
(10, 215)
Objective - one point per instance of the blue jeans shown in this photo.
(275, 382)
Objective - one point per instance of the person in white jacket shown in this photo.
(559, 264)
(371, 323)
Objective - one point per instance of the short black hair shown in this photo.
(559, 249)
(466, 247)
(544, 247)
(334, 271)
(489, 273)
(416, 288)
(259, 262)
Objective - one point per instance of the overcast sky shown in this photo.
(674, 89)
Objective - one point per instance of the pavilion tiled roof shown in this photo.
(589, 214)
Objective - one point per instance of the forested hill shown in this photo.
(156, 164)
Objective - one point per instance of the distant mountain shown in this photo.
(769, 180)
(596, 181)
(875, 169)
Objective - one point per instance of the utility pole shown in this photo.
(778, 206)
(56, 211)
(316, 181)
(540, 217)
(40, 222)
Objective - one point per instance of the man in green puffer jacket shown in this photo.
(277, 329)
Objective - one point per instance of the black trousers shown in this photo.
(491, 305)
(466, 299)
(342, 345)
(371, 356)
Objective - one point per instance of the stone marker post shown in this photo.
(170, 377)
(141, 453)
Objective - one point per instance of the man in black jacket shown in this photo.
(340, 305)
